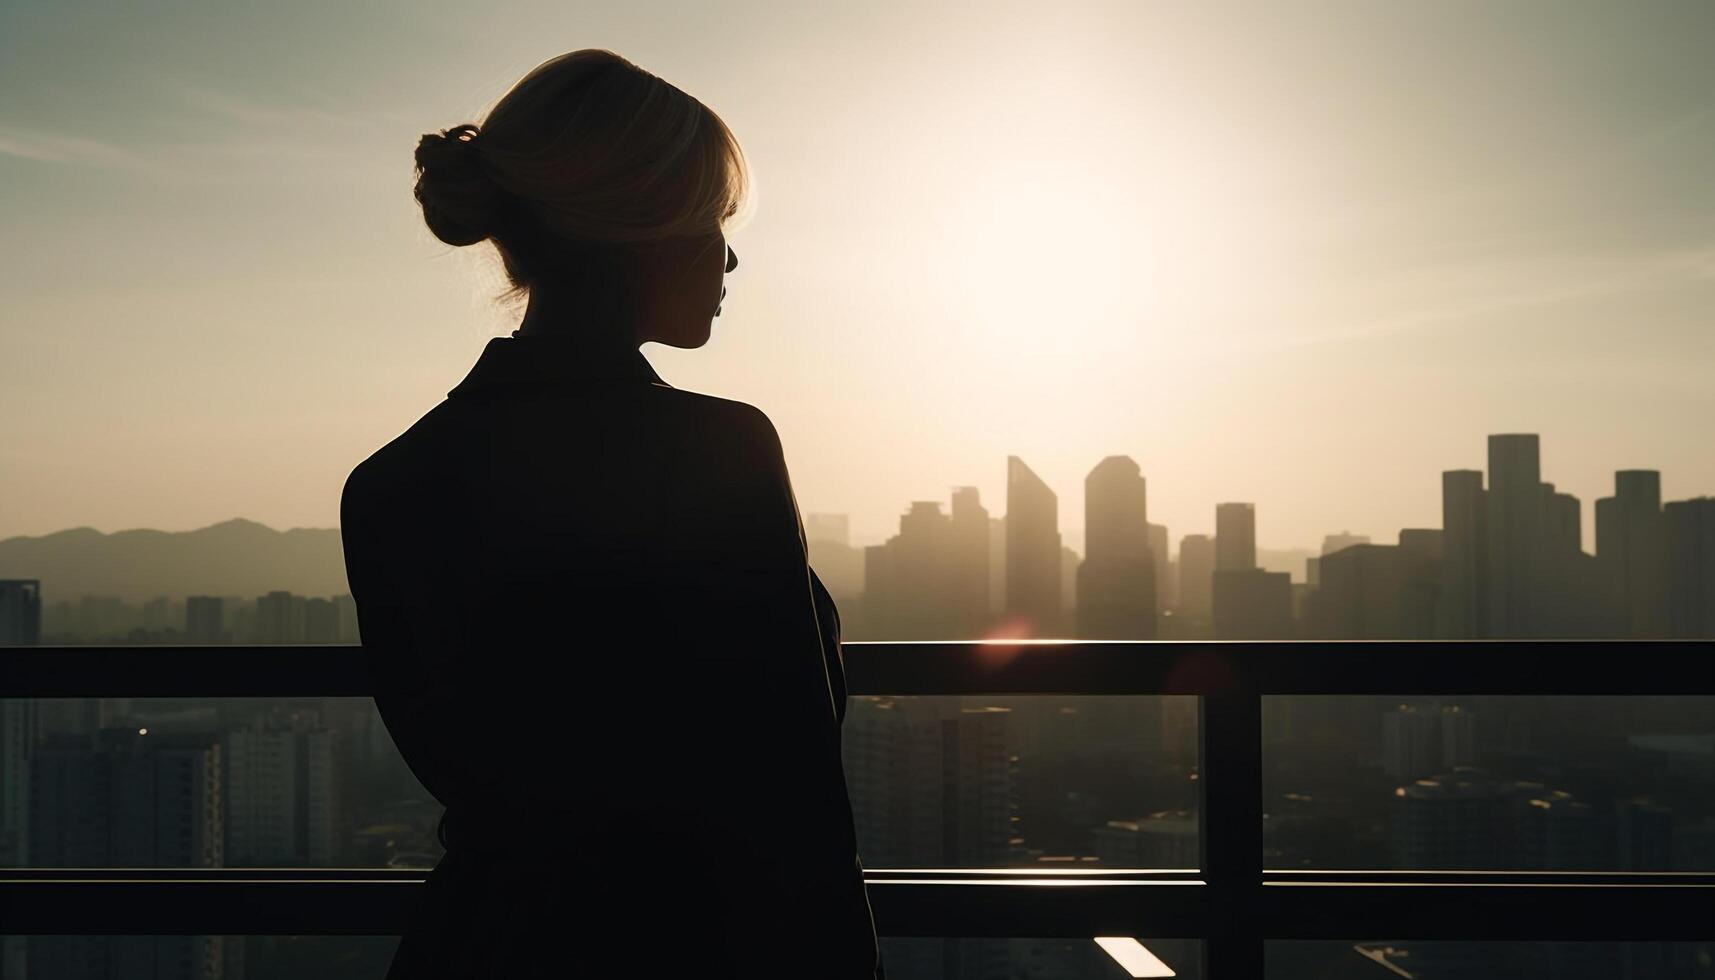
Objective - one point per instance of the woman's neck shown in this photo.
(554, 312)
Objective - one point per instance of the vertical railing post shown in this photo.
(1230, 769)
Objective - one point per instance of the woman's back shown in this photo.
(585, 594)
(600, 646)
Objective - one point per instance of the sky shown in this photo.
(1303, 254)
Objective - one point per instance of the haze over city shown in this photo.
(1306, 258)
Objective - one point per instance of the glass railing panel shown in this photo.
(196, 957)
(1490, 783)
(1038, 959)
(208, 782)
(1051, 782)
(956, 782)
(1447, 960)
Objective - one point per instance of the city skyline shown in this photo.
(1260, 255)
(1073, 532)
(1507, 560)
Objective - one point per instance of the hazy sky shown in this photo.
(1306, 255)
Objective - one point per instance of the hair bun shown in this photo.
(461, 202)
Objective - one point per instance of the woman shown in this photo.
(585, 592)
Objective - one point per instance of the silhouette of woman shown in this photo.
(584, 593)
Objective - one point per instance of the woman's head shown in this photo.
(600, 184)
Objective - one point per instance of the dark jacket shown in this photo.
(598, 642)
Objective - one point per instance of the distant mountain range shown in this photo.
(244, 558)
(236, 557)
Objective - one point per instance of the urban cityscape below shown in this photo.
(1102, 782)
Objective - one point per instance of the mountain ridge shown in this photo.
(237, 556)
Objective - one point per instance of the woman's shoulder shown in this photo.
(728, 412)
(727, 422)
(387, 475)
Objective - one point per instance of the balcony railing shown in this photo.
(1232, 902)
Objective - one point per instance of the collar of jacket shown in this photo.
(516, 362)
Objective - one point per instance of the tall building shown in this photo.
(1251, 604)
(930, 581)
(1421, 553)
(321, 621)
(1691, 568)
(20, 626)
(1166, 583)
(932, 784)
(1359, 593)
(18, 732)
(20, 612)
(279, 618)
(1116, 581)
(1631, 548)
(1421, 739)
(1032, 552)
(1069, 561)
(1461, 613)
(282, 797)
(1467, 820)
(1235, 537)
(997, 564)
(1514, 516)
(903, 575)
(1563, 521)
(126, 798)
(1116, 513)
(1164, 840)
(205, 620)
(1196, 575)
(968, 591)
(1379, 592)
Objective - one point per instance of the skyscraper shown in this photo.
(1166, 583)
(280, 618)
(1691, 568)
(968, 562)
(1116, 582)
(1514, 513)
(903, 577)
(933, 785)
(1235, 537)
(321, 621)
(1563, 521)
(18, 728)
(1196, 571)
(1358, 596)
(1032, 552)
(930, 581)
(1464, 550)
(1421, 552)
(283, 800)
(1379, 592)
(1631, 549)
(125, 798)
(20, 612)
(20, 626)
(1251, 604)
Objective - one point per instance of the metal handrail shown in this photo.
(1233, 901)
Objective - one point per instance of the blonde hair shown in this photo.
(587, 155)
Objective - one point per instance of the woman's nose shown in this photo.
(731, 259)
